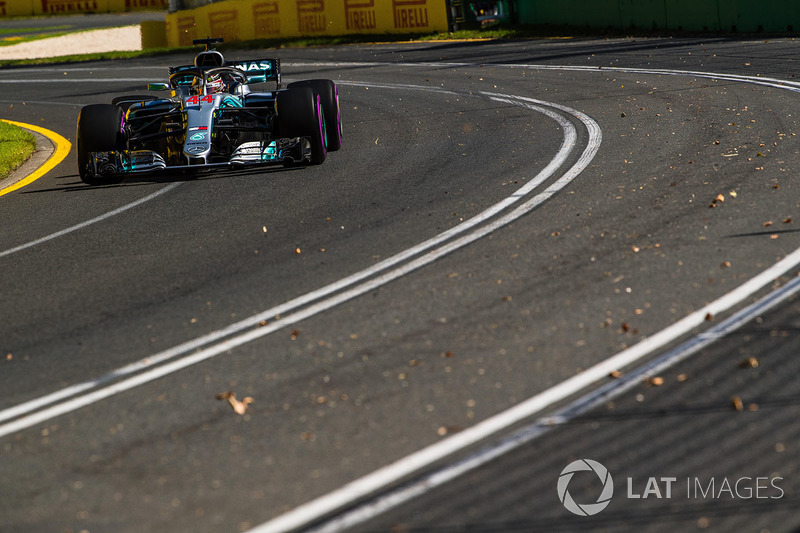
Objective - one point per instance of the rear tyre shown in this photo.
(99, 130)
(329, 96)
(300, 115)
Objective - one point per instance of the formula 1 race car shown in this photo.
(212, 119)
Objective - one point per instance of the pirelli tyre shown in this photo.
(99, 130)
(329, 96)
(300, 115)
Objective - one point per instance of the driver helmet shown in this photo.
(214, 84)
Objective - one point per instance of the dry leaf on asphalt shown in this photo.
(718, 200)
(240, 407)
(750, 362)
(736, 403)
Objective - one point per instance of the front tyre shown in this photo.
(99, 130)
(329, 97)
(300, 115)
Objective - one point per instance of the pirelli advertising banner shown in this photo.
(241, 20)
(26, 8)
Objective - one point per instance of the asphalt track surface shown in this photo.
(436, 134)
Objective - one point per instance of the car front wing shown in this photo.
(287, 151)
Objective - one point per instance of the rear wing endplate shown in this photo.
(259, 70)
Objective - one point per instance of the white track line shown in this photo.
(60, 81)
(383, 477)
(358, 489)
(137, 373)
(389, 475)
(373, 508)
(89, 222)
(757, 80)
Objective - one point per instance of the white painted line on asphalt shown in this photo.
(387, 476)
(129, 373)
(62, 69)
(40, 102)
(381, 478)
(359, 489)
(60, 81)
(383, 503)
(89, 222)
(421, 459)
(757, 80)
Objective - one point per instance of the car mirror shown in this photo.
(157, 86)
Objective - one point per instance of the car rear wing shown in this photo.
(259, 70)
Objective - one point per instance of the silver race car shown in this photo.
(213, 118)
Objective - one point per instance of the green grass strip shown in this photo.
(40, 29)
(11, 41)
(16, 146)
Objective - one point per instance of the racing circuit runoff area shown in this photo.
(429, 324)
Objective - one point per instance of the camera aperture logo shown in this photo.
(587, 509)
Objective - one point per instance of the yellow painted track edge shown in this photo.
(62, 148)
